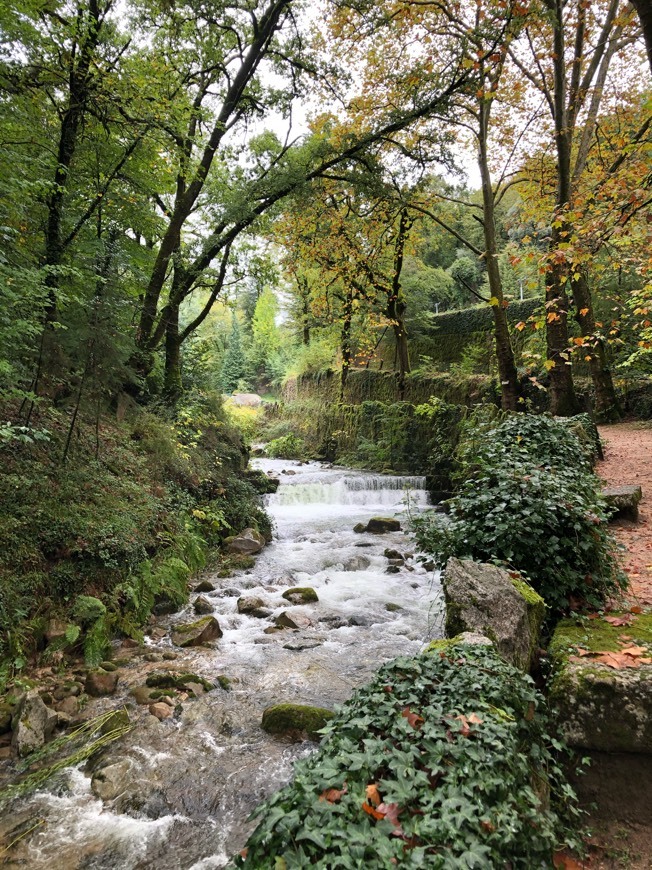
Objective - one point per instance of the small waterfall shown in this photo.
(364, 490)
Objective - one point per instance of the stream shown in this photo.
(183, 788)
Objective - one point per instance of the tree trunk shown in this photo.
(173, 385)
(345, 341)
(644, 10)
(510, 392)
(607, 407)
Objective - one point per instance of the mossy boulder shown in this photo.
(493, 602)
(179, 681)
(623, 501)
(301, 595)
(295, 720)
(197, 633)
(602, 708)
(382, 525)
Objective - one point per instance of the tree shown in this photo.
(234, 364)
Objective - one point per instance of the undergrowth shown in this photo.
(443, 761)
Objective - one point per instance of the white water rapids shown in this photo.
(193, 780)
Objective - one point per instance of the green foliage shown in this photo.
(234, 364)
(286, 447)
(458, 745)
(528, 499)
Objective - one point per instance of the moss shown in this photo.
(292, 718)
(176, 681)
(306, 593)
(392, 607)
(536, 611)
(597, 635)
(224, 683)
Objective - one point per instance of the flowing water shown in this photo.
(185, 786)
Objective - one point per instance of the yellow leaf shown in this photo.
(549, 364)
(520, 326)
(494, 301)
(584, 311)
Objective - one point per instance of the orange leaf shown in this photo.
(563, 861)
(413, 718)
(636, 609)
(584, 311)
(627, 619)
(634, 650)
(373, 795)
(372, 812)
(333, 795)
(244, 852)
(474, 719)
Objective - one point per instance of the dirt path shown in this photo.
(628, 460)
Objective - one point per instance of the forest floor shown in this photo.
(626, 843)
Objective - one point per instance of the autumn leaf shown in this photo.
(391, 813)
(333, 795)
(634, 650)
(371, 811)
(563, 861)
(474, 719)
(488, 826)
(413, 718)
(636, 609)
(627, 619)
(373, 795)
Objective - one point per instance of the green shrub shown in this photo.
(457, 747)
(287, 447)
(529, 499)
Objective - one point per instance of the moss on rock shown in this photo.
(290, 719)
(301, 595)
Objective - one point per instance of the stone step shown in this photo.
(624, 501)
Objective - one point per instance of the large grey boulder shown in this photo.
(487, 600)
(33, 723)
(623, 501)
(248, 543)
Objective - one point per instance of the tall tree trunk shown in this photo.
(172, 385)
(345, 341)
(607, 407)
(644, 10)
(563, 400)
(509, 385)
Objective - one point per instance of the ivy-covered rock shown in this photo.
(442, 761)
(196, 633)
(601, 694)
(295, 720)
(492, 601)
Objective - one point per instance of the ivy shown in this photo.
(442, 761)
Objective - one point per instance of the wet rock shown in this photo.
(130, 643)
(301, 595)
(392, 554)
(334, 621)
(153, 657)
(357, 563)
(623, 501)
(63, 720)
(396, 562)
(294, 620)
(160, 710)
(429, 565)
(108, 666)
(178, 681)
(295, 720)
(196, 633)
(117, 719)
(359, 528)
(392, 569)
(202, 605)
(247, 543)
(195, 689)
(300, 645)
(204, 586)
(170, 656)
(141, 694)
(382, 525)
(33, 723)
(273, 629)
(158, 633)
(392, 607)
(69, 706)
(250, 604)
(99, 683)
(487, 600)
(231, 592)
(360, 621)
(113, 780)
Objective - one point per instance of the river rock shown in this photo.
(251, 605)
(177, 680)
(359, 528)
(196, 633)
(69, 706)
(295, 720)
(204, 586)
(357, 563)
(294, 620)
(487, 600)
(202, 605)
(161, 710)
(100, 683)
(141, 694)
(623, 501)
(33, 723)
(392, 554)
(248, 543)
(392, 569)
(113, 780)
(381, 525)
(301, 595)
(230, 592)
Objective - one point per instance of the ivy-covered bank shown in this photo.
(445, 760)
(97, 534)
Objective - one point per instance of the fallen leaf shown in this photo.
(583, 652)
(625, 637)
(487, 825)
(634, 650)
(563, 861)
(413, 718)
(627, 619)
(474, 719)
(636, 608)
(373, 795)
(371, 811)
(333, 795)
(391, 813)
